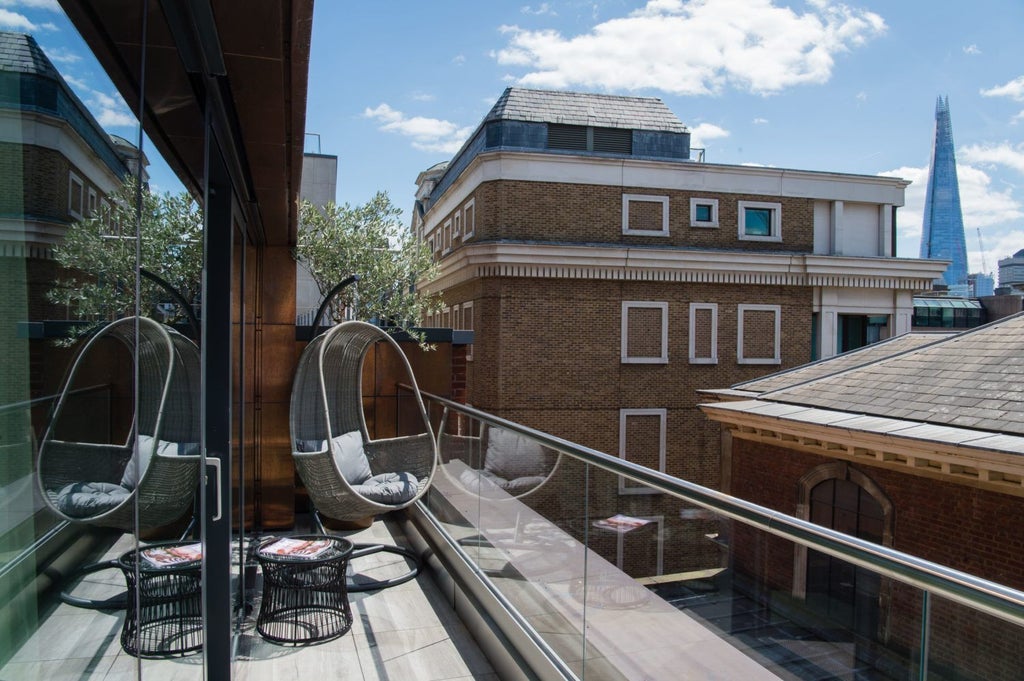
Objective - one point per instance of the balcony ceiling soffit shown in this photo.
(265, 47)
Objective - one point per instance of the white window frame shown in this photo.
(627, 305)
(624, 415)
(467, 325)
(650, 198)
(742, 310)
(697, 201)
(469, 226)
(713, 359)
(776, 220)
(620, 545)
(94, 204)
(446, 232)
(74, 179)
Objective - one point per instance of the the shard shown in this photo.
(942, 235)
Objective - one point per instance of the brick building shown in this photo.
(58, 165)
(915, 444)
(607, 276)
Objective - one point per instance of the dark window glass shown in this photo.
(702, 213)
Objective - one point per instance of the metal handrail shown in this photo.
(28, 404)
(974, 592)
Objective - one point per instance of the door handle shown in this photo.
(214, 462)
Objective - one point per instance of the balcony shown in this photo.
(563, 562)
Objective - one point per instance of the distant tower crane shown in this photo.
(981, 246)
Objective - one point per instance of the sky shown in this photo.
(395, 87)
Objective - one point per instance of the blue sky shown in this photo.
(395, 87)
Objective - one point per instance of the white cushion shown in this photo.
(512, 456)
(350, 458)
(130, 481)
(132, 472)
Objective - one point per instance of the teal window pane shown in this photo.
(702, 213)
(757, 221)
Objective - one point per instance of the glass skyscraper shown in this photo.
(942, 235)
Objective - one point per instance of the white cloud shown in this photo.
(459, 59)
(62, 55)
(760, 121)
(428, 134)
(110, 111)
(862, 96)
(1004, 154)
(423, 97)
(972, 50)
(543, 8)
(695, 48)
(50, 5)
(983, 207)
(705, 132)
(17, 22)
(1014, 90)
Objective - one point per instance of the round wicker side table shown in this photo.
(166, 618)
(305, 599)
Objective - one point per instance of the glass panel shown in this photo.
(99, 384)
(757, 221)
(967, 644)
(702, 213)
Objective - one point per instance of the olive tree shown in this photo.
(99, 259)
(369, 241)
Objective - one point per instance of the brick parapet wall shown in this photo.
(563, 212)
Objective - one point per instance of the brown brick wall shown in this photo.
(954, 525)
(40, 186)
(563, 212)
(547, 354)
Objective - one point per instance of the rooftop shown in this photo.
(20, 53)
(576, 108)
(970, 380)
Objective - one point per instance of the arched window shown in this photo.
(842, 498)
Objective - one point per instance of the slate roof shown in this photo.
(847, 360)
(576, 108)
(973, 379)
(19, 53)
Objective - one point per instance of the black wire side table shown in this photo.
(164, 614)
(305, 599)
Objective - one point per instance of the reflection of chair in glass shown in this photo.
(499, 462)
(348, 475)
(88, 470)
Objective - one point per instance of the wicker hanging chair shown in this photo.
(495, 463)
(89, 473)
(349, 476)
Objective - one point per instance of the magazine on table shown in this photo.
(620, 523)
(297, 548)
(165, 556)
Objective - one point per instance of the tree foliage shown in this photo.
(98, 254)
(370, 241)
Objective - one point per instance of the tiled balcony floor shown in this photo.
(407, 632)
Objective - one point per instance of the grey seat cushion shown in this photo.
(88, 499)
(388, 488)
(512, 456)
(350, 458)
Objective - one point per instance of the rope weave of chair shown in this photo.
(168, 370)
(327, 401)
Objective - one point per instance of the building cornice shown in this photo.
(619, 263)
(990, 461)
(665, 175)
(30, 128)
